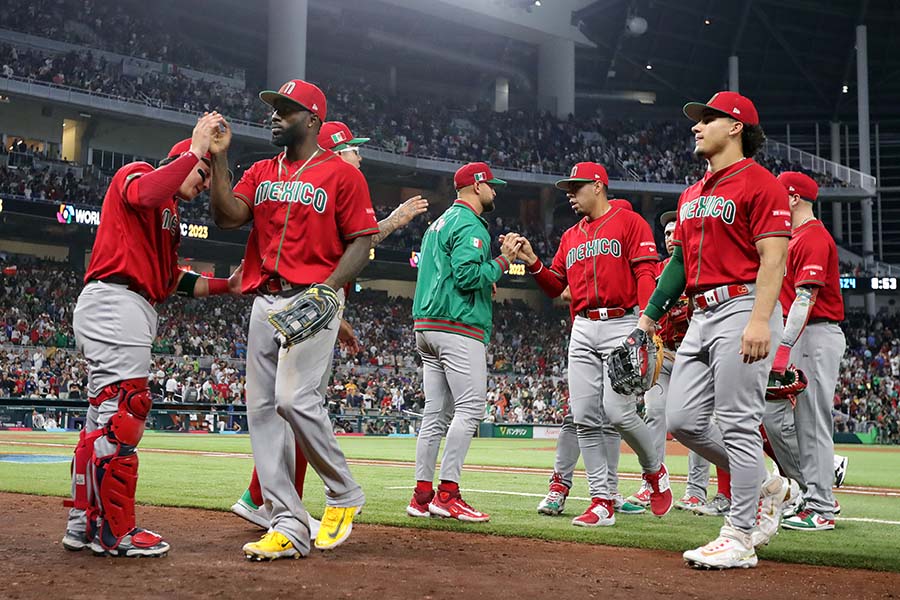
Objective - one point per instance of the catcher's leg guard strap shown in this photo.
(116, 475)
(82, 498)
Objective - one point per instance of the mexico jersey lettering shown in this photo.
(303, 217)
(596, 257)
(136, 243)
(720, 219)
(813, 262)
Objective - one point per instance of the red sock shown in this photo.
(723, 480)
(424, 487)
(448, 486)
(255, 490)
(299, 470)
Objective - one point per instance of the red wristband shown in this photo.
(782, 358)
(217, 286)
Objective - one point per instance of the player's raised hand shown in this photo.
(755, 341)
(221, 138)
(510, 244)
(409, 210)
(203, 133)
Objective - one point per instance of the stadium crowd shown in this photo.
(422, 125)
(124, 27)
(201, 345)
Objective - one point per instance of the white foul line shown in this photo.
(530, 495)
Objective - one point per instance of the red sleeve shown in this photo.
(355, 215)
(641, 245)
(548, 281)
(770, 213)
(149, 188)
(645, 276)
(552, 280)
(245, 190)
(558, 266)
(808, 262)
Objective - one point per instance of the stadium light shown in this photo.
(649, 66)
(537, 2)
(845, 89)
(707, 21)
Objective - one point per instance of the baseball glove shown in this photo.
(308, 314)
(634, 366)
(787, 385)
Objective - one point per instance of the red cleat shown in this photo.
(660, 492)
(450, 505)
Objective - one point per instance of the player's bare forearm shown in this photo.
(772, 258)
(399, 217)
(386, 227)
(355, 258)
(227, 211)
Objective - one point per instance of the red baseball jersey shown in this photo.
(136, 242)
(303, 217)
(595, 258)
(720, 219)
(813, 262)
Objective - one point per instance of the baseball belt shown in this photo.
(716, 296)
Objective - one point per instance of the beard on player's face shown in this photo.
(291, 134)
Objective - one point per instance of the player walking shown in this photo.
(731, 243)
(608, 245)
(811, 299)
(453, 318)
(336, 137)
(115, 325)
(312, 222)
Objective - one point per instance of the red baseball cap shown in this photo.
(621, 203)
(585, 172)
(798, 183)
(468, 174)
(307, 95)
(336, 136)
(731, 104)
(182, 147)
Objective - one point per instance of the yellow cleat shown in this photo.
(271, 546)
(337, 523)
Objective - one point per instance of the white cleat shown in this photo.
(733, 549)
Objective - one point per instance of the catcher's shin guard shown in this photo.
(83, 493)
(115, 475)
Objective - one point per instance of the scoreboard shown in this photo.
(864, 285)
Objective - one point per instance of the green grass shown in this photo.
(216, 481)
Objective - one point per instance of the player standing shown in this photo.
(453, 318)
(811, 299)
(568, 452)
(608, 245)
(115, 325)
(312, 222)
(730, 241)
(336, 137)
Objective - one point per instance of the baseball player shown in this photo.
(672, 328)
(608, 245)
(813, 306)
(452, 315)
(731, 238)
(312, 223)
(568, 452)
(336, 137)
(115, 325)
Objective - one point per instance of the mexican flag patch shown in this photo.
(337, 137)
(476, 242)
